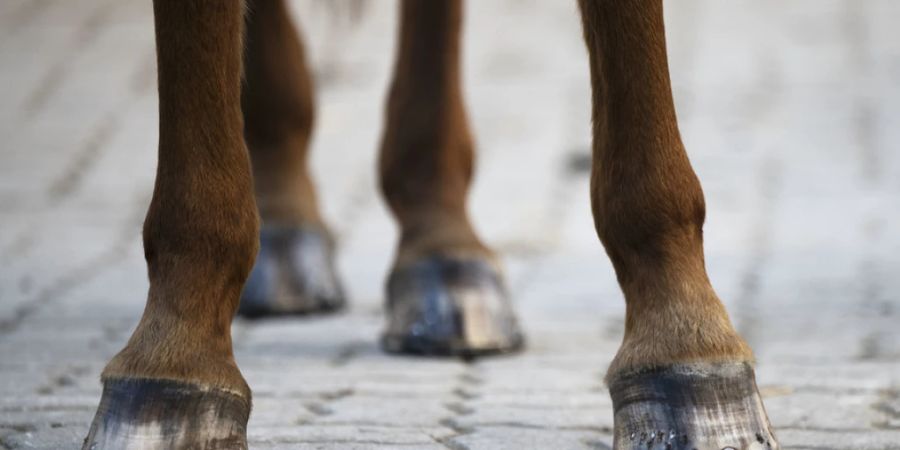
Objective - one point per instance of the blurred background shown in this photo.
(789, 112)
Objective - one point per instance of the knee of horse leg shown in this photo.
(197, 263)
(425, 161)
(652, 230)
(222, 237)
(649, 219)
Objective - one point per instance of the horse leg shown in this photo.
(445, 294)
(683, 377)
(294, 271)
(176, 384)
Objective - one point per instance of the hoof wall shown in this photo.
(294, 275)
(450, 307)
(161, 414)
(690, 407)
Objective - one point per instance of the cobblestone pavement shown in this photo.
(789, 110)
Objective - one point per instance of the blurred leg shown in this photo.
(176, 384)
(446, 294)
(682, 377)
(294, 271)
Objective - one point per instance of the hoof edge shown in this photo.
(151, 414)
(450, 307)
(692, 407)
(294, 275)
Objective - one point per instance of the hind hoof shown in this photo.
(294, 274)
(691, 407)
(162, 414)
(449, 307)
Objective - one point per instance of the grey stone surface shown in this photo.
(513, 438)
(788, 110)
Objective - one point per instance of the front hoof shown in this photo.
(694, 406)
(449, 307)
(294, 274)
(162, 414)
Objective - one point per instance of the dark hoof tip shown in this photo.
(162, 414)
(450, 307)
(694, 406)
(294, 275)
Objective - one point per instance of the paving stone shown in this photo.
(47, 438)
(595, 400)
(537, 379)
(386, 411)
(846, 376)
(347, 446)
(359, 435)
(476, 416)
(48, 418)
(857, 440)
(275, 411)
(514, 438)
(836, 411)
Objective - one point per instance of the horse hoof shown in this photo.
(449, 307)
(161, 414)
(294, 274)
(692, 407)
